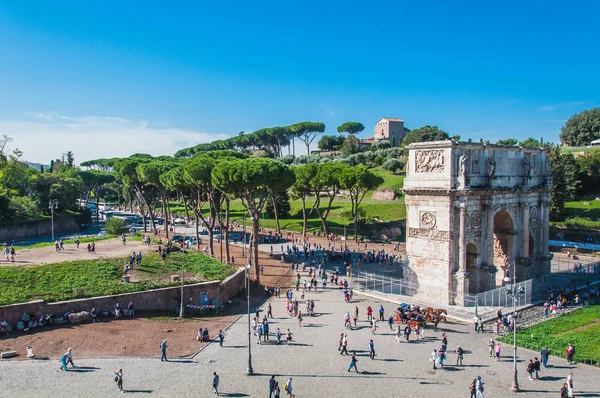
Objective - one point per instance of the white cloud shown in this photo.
(563, 105)
(43, 137)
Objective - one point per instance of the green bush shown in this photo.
(393, 165)
(115, 226)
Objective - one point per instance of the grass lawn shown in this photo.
(98, 277)
(582, 214)
(581, 327)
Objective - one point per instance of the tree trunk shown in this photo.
(187, 211)
(164, 209)
(97, 206)
(304, 217)
(294, 146)
(276, 212)
(197, 231)
(227, 253)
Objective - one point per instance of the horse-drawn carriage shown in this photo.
(414, 315)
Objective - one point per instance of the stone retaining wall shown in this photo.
(164, 299)
(33, 229)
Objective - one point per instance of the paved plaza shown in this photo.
(312, 360)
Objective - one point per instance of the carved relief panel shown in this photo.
(430, 161)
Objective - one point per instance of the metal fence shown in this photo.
(390, 285)
(565, 264)
(499, 298)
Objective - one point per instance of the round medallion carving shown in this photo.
(428, 220)
(476, 219)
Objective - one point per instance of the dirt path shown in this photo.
(141, 336)
(589, 325)
(108, 248)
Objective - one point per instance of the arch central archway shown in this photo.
(504, 233)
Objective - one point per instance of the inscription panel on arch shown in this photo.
(430, 234)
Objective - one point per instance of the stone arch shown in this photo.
(531, 246)
(503, 242)
(472, 267)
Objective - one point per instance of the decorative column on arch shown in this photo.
(525, 232)
(462, 277)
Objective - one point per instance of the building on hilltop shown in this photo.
(387, 128)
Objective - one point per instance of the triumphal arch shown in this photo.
(475, 212)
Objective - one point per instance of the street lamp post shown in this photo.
(182, 266)
(249, 369)
(244, 237)
(512, 290)
(52, 204)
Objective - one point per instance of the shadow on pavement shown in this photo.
(140, 391)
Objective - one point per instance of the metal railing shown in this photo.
(428, 294)
(499, 298)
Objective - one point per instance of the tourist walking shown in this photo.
(571, 391)
(299, 318)
(530, 368)
(278, 335)
(369, 313)
(344, 343)
(288, 336)
(473, 388)
(544, 357)
(371, 349)
(259, 332)
(70, 357)
(479, 387)
(63, 361)
(353, 361)
(433, 358)
(272, 383)
(536, 367)
(373, 326)
(570, 353)
(497, 352)
(407, 331)
(215, 383)
(398, 333)
(119, 379)
(163, 349)
(491, 346)
(269, 311)
(221, 337)
(288, 387)
(276, 390)
(459, 356)
(381, 312)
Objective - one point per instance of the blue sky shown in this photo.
(112, 78)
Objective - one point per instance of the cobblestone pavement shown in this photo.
(317, 368)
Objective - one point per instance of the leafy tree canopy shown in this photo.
(351, 127)
(507, 141)
(532, 142)
(581, 128)
(425, 134)
(330, 142)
